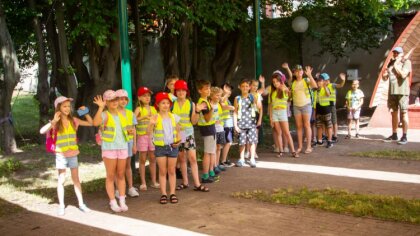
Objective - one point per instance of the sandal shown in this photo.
(182, 186)
(201, 188)
(280, 154)
(163, 199)
(307, 151)
(299, 150)
(295, 155)
(143, 187)
(173, 198)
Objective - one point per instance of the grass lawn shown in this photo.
(25, 111)
(342, 201)
(390, 154)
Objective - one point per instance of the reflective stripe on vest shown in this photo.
(109, 132)
(159, 133)
(129, 118)
(278, 103)
(226, 114)
(66, 140)
(217, 114)
(201, 120)
(141, 127)
(322, 98)
(305, 87)
(184, 113)
(333, 95)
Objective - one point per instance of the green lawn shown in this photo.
(390, 154)
(25, 111)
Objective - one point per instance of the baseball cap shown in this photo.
(143, 90)
(121, 93)
(398, 49)
(161, 96)
(298, 67)
(109, 95)
(324, 76)
(61, 99)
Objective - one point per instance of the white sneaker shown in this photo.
(114, 206)
(123, 206)
(61, 211)
(286, 150)
(132, 192)
(276, 150)
(84, 208)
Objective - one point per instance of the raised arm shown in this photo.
(343, 80)
(97, 120)
(51, 124)
(88, 121)
(308, 72)
(289, 72)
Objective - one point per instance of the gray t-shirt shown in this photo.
(399, 84)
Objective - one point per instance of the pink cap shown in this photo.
(121, 93)
(61, 99)
(109, 95)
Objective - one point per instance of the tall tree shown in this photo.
(7, 84)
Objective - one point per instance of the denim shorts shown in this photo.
(220, 138)
(166, 151)
(62, 162)
(279, 115)
(305, 110)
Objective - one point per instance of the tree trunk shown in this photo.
(66, 69)
(226, 58)
(82, 73)
(54, 50)
(7, 84)
(138, 43)
(184, 51)
(43, 87)
(169, 48)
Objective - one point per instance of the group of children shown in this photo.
(163, 132)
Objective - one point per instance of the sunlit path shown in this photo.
(338, 171)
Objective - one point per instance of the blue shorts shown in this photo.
(305, 110)
(66, 162)
(229, 134)
(166, 151)
(280, 115)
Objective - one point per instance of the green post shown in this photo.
(125, 53)
(258, 59)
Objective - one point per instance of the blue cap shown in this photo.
(324, 76)
(398, 49)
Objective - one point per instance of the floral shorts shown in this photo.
(189, 144)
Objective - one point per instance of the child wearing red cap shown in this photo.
(64, 128)
(132, 149)
(114, 146)
(183, 107)
(166, 138)
(145, 146)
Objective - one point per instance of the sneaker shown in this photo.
(391, 138)
(114, 206)
(222, 167)
(217, 170)
(228, 164)
(143, 187)
(313, 144)
(319, 144)
(239, 163)
(324, 138)
(252, 164)
(334, 139)
(403, 141)
(132, 192)
(84, 208)
(123, 206)
(329, 144)
(206, 181)
(156, 186)
(61, 211)
(276, 149)
(286, 150)
(215, 178)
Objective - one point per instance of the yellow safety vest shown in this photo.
(226, 114)
(278, 103)
(159, 133)
(66, 140)
(109, 130)
(333, 97)
(322, 98)
(201, 120)
(129, 117)
(141, 127)
(305, 86)
(217, 114)
(184, 113)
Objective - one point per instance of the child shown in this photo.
(183, 107)
(207, 129)
(170, 85)
(259, 108)
(277, 100)
(166, 138)
(215, 94)
(114, 146)
(227, 117)
(244, 122)
(132, 149)
(144, 142)
(333, 98)
(64, 128)
(323, 111)
(354, 102)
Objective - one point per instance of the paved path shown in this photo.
(217, 213)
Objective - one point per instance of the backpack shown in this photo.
(98, 136)
(50, 140)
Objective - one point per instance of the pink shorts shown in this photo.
(144, 143)
(115, 154)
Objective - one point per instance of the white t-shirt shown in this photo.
(353, 98)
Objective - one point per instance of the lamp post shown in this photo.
(300, 25)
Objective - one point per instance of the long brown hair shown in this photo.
(60, 126)
(273, 88)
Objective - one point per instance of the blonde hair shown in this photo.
(215, 90)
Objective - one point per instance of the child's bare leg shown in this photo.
(142, 167)
(121, 165)
(152, 167)
(76, 184)
(349, 124)
(225, 152)
(357, 126)
(171, 173)
(162, 162)
(182, 159)
(192, 156)
(128, 173)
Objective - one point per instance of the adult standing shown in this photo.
(398, 72)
